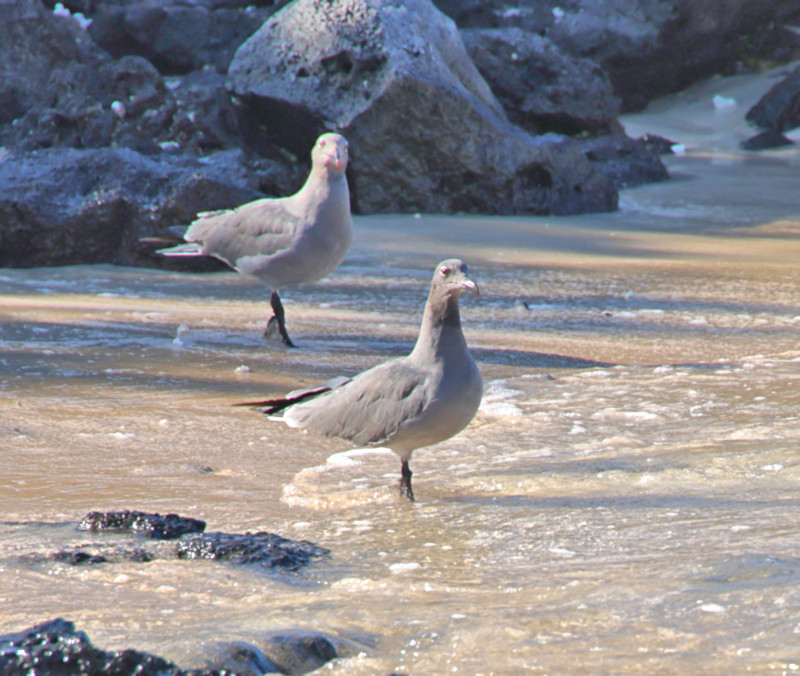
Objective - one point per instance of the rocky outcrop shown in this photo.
(34, 44)
(123, 103)
(541, 88)
(651, 47)
(65, 206)
(99, 152)
(178, 37)
(626, 162)
(74, 95)
(426, 131)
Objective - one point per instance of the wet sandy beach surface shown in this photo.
(625, 501)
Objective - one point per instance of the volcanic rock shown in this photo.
(427, 133)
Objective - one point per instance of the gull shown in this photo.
(283, 241)
(402, 404)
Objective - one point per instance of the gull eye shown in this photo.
(444, 271)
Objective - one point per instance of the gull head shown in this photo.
(331, 152)
(451, 276)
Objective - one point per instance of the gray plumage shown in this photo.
(283, 241)
(403, 404)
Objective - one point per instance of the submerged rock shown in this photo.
(77, 557)
(285, 652)
(262, 548)
(152, 526)
(769, 138)
(238, 657)
(298, 652)
(265, 549)
(55, 647)
(426, 132)
(91, 555)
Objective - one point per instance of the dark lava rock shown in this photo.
(65, 206)
(210, 119)
(779, 109)
(124, 103)
(649, 48)
(769, 138)
(240, 658)
(33, 44)
(298, 652)
(152, 526)
(627, 162)
(82, 98)
(541, 88)
(425, 130)
(177, 36)
(544, 90)
(286, 652)
(265, 549)
(56, 648)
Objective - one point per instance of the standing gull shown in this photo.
(407, 403)
(283, 241)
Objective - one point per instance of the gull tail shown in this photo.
(190, 249)
(176, 233)
(274, 405)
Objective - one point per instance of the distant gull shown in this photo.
(283, 241)
(402, 404)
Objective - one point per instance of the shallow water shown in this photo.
(625, 501)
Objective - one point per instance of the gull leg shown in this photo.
(405, 480)
(278, 318)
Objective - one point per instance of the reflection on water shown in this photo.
(625, 501)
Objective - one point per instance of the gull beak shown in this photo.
(467, 283)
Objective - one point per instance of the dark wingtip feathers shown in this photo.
(274, 405)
